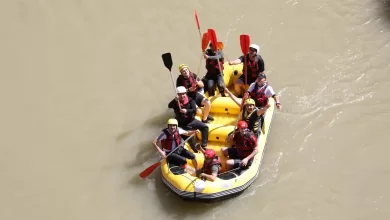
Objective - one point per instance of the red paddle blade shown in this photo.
(197, 20)
(244, 41)
(149, 170)
(205, 41)
(213, 38)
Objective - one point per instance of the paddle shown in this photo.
(151, 168)
(244, 42)
(197, 23)
(205, 42)
(214, 41)
(238, 117)
(167, 59)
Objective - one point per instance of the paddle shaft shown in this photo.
(174, 88)
(153, 167)
(178, 146)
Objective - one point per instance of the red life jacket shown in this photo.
(253, 68)
(167, 143)
(183, 105)
(259, 96)
(190, 82)
(246, 144)
(213, 67)
(215, 161)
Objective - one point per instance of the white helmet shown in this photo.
(256, 47)
(181, 89)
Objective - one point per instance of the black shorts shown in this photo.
(233, 154)
(198, 99)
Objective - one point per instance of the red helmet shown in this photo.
(209, 153)
(242, 124)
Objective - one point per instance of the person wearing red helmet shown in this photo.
(245, 147)
(212, 165)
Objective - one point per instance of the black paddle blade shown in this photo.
(167, 58)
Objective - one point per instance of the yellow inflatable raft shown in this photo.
(228, 184)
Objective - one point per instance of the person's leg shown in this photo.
(189, 155)
(176, 159)
(196, 124)
(210, 87)
(221, 85)
(205, 103)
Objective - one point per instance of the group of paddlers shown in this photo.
(189, 100)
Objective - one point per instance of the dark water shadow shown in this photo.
(154, 121)
(161, 119)
(384, 11)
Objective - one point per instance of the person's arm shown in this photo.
(218, 56)
(156, 140)
(260, 63)
(271, 93)
(237, 61)
(188, 133)
(253, 143)
(262, 110)
(172, 104)
(214, 173)
(198, 81)
(254, 152)
(192, 108)
(233, 97)
(179, 82)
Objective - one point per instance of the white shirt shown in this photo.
(162, 136)
(269, 91)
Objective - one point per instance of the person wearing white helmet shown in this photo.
(254, 65)
(194, 85)
(170, 138)
(185, 110)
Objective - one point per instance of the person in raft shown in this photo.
(255, 65)
(213, 77)
(185, 110)
(193, 85)
(170, 139)
(211, 166)
(251, 114)
(244, 148)
(261, 91)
